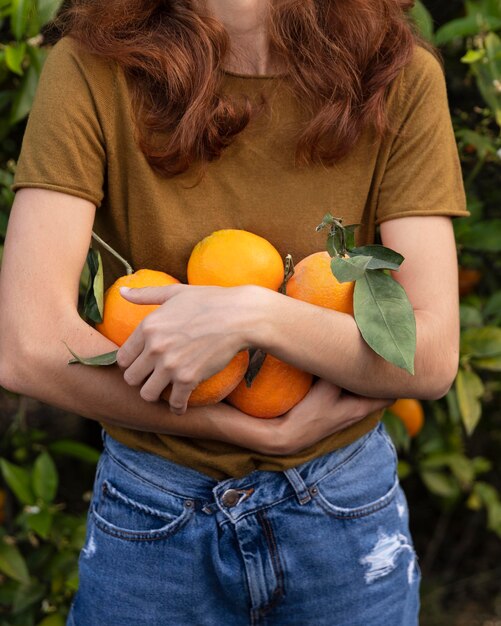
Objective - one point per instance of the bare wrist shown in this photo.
(258, 319)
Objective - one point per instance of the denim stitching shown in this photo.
(362, 511)
(278, 592)
(256, 510)
(159, 535)
(352, 455)
(114, 493)
(145, 481)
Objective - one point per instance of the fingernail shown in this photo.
(124, 290)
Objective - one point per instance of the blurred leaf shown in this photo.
(460, 466)
(469, 389)
(490, 497)
(484, 236)
(14, 56)
(397, 431)
(385, 318)
(423, 20)
(492, 364)
(24, 96)
(492, 310)
(52, 620)
(75, 449)
(19, 17)
(453, 406)
(72, 579)
(481, 465)
(3, 224)
(19, 481)
(62, 563)
(470, 316)
(474, 503)
(40, 522)
(487, 493)
(45, 478)
(26, 596)
(37, 57)
(481, 342)
(482, 144)
(466, 26)
(463, 470)
(472, 56)
(488, 74)
(12, 563)
(404, 470)
(8, 590)
(440, 484)
(78, 536)
(47, 10)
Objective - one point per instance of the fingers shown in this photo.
(179, 396)
(356, 408)
(325, 387)
(131, 349)
(151, 295)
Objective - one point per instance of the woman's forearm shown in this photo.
(329, 345)
(100, 393)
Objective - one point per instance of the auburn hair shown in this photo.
(340, 58)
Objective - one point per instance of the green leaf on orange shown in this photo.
(349, 269)
(108, 358)
(385, 318)
(383, 258)
(94, 297)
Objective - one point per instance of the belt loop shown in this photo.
(298, 484)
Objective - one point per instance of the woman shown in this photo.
(158, 123)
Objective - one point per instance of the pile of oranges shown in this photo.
(230, 258)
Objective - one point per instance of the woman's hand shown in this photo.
(193, 334)
(325, 410)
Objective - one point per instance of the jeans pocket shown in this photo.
(365, 483)
(115, 513)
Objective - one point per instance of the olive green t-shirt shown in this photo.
(80, 141)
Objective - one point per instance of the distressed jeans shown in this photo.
(324, 544)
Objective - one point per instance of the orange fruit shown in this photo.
(280, 386)
(411, 413)
(468, 280)
(314, 282)
(218, 386)
(121, 317)
(275, 390)
(230, 257)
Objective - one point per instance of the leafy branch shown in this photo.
(383, 313)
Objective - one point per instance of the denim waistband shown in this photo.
(254, 491)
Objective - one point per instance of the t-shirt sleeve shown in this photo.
(63, 147)
(423, 173)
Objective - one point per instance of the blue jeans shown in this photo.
(323, 544)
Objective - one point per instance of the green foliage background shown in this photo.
(451, 471)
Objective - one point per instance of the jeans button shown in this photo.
(230, 498)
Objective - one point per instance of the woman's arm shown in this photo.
(46, 246)
(178, 341)
(329, 343)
